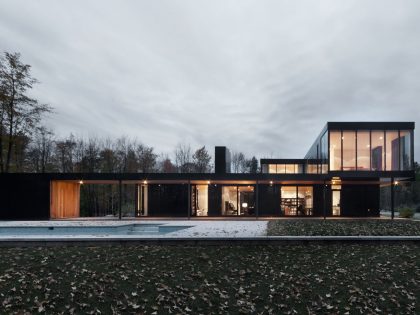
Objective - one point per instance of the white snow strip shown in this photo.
(199, 228)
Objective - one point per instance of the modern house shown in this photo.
(341, 175)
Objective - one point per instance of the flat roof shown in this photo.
(381, 125)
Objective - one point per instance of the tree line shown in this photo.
(26, 145)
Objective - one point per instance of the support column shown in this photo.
(119, 198)
(189, 199)
(392, 198)
(256, 200)
(324, 188)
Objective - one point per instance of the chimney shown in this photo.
(221, 160)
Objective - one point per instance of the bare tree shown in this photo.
(201, 160)
(146, 158)
(183, 158)
(108, 157)
(165, 165)
(64, 153)
(19, 113)
(238, 162)
(40, 154)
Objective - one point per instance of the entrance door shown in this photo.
(336, 202)
(199, 200)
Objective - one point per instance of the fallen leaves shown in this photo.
(298, 279)
(337, 227)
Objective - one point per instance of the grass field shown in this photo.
(298, 279)
(344, 227)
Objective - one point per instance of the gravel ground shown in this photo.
(365, 227)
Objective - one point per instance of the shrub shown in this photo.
(406, 212)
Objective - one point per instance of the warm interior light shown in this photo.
(271, 182)
(396, 182)
(145, 182)
(244, 205)
(208, 182)
(81, 182)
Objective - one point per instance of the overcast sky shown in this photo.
(262, 77)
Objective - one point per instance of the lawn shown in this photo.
(298, 279)
(344, 227)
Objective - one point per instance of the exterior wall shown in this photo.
(24, 197)
(269, 200)
(65, 200)
(360, 200)
(318, 191)
(168, 200)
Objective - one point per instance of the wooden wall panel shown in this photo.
(65, 200)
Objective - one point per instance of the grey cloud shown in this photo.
(258, 76)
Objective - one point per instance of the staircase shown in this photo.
(143, 230)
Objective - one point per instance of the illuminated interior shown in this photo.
(238, 200)
(199, 200)
(296, 200)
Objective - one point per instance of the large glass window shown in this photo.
(324, 153)
(288, 200)
(272, 168)
(392, 150)
(199, 200)
(377, 152)
(349, 150)
(363, 150)
(312, 168)
(280, 168)
(405, 150)
(336, 202)
(296, 200)
(238, 200)
(230, 200)
(264, 168)
(290, 169)
(305, 200)
(335, 150)
(246, 200)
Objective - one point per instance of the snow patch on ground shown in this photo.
(197, 229)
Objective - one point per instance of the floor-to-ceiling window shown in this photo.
(305, 200)
(335, 150)
(230, 200)
(324, 153)
(349, 150)
(370, 150)
(288, 200)
(363, 150)
(238, 200)
(377, 150)
(246, 200)
(296, 200)
(392, 150)
(336, 202)
(199, 200)
(406, 161)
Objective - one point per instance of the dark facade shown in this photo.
(340, 175)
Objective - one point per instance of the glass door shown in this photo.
(336, 202)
